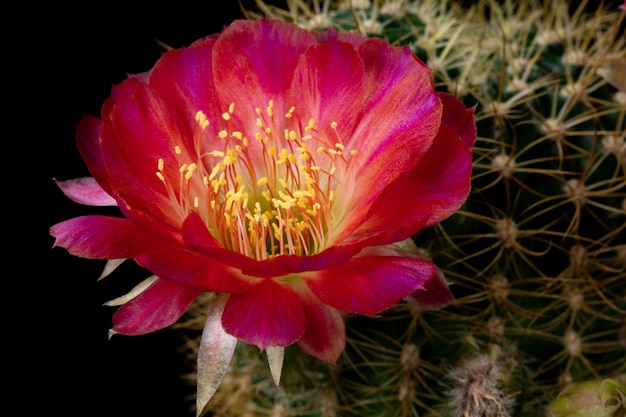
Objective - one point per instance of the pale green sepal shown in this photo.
(275, 358)
(598, 398)
(214, 354)
(138, 289)
(110, 266)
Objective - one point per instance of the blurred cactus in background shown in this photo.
(535, 258)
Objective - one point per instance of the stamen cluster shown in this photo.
(269, 196)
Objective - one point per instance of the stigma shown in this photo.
(267, 192)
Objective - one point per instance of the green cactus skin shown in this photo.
(536, 258)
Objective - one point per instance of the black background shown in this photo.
(60, 63)
(65, 61)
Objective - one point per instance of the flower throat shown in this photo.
(268, 196)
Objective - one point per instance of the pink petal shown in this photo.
(328, 86)
(159, 306)
(102, 237)
(192, 269)
(140, 131)
(88, 143)
(214, 354)
(325, 334)
(396, 129)
(424, 195)
(183, 78)
(352, 37)
(459, 118)
(269, 314)
(155, 131)
(271, 48)
(392, 119)
(198, 238)
(370, 284)
(86, 191)
(434, 296)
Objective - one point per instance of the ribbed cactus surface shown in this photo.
(536, 258)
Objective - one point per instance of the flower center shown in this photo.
(274, 194)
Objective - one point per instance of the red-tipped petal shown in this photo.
(102, 237)
(424, 195)
(370, 284)
(435, 295)
(193, 269)
(159, 306)
(325, 333)
(459, 118)
(269, 314)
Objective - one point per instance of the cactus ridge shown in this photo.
(536, 257)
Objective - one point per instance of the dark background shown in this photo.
(60, 63)
(61, 361)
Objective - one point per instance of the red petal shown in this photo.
(328, 84)
(435, 295)
(88, 143)
(193, 269)
(370, 284)
(102, 237)
(325, 333)
(269, 314)
(262, 68)
(184, 79)
(396, 129)
(459, 118)
(198, 238)
(142, 130)
(159, 306)
(431, 192)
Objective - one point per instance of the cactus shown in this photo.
(536, 258)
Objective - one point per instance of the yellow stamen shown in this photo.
(274, 198)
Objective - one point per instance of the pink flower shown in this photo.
(283, 169)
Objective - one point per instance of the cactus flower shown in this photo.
(282, 169)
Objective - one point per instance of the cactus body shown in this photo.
(536, 257)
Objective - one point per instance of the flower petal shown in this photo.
(270, 47)
(214, 354)
(435, 293)
(192, 269)
(370, 284)
(102, 237)
(325, 333)
(86, 191)
(183, 78)
(88, 143)
(434, 296)
(396, 129)
(269, 314)
(198, 238)
(422, 196)
(459, 118)
(328, 85)
(262, 70)
(157, 307)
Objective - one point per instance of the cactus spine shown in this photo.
(536, 257)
